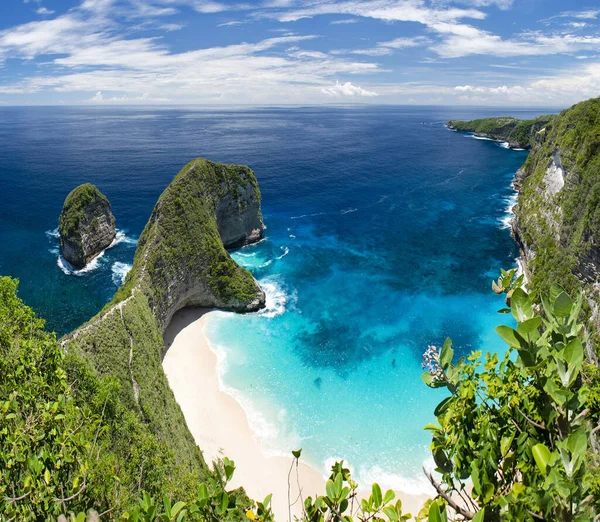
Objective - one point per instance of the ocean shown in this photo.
(384, 230)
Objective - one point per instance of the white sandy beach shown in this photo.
(220, 426)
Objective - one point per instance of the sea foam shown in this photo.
(119, 272)
(507, 219)
(68, 269)
(276, 297)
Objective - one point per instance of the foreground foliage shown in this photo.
(519, 426)
(68, 443)
(513, 440)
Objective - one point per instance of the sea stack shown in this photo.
(86, 225)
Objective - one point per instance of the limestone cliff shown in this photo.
(557, 217)
(180, 261)
(86, 225)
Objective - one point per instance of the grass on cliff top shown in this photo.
(73, 212)
(506, 128)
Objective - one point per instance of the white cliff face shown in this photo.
(554, 178)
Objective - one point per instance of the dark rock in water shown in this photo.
(86, 225)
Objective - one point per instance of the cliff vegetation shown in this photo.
(517, 133)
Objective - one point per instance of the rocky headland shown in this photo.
(518, 134)
(181, 260)
(86, 225)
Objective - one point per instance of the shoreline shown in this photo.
(220, 425)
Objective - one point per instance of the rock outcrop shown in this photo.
(86, 225)
(181, 260)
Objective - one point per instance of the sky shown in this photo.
(214, 52)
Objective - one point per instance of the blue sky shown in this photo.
(474, 52)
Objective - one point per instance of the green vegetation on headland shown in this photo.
(77, 201)
(517, 133)
(86, 225)
(93, 424)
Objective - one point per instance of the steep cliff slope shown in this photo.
(557, 218)
(180, 260)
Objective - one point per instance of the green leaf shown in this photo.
(505, 444)
(479, 516)
(338, 483)
(475, 478)
(377, 498)
(330, 489)
(577, 442)
(391, 513)
(389, 496)
(224, 502)
(446, 354)
(520, 305)
(202, 492)
(517, 489)
(297, 453)
(555, 291)
(434, 513)
(563, 305)
(530, 325)
(442, 406)
(177, 508)
(510, 336)
(542, 455)
(427, 378)
(488, 492)
(573, 353)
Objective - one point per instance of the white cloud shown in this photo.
(99, 98)
(403, 43)
(44, 11)
(562, 89)
(501, 4)
(87, 54)
(344, 21)
(230, 23)
(385, 48)
(387, 10)
(464, 40)
(346, 89)
(587, 14)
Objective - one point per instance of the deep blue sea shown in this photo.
(384, 230)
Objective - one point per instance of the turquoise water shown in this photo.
(384, 230)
